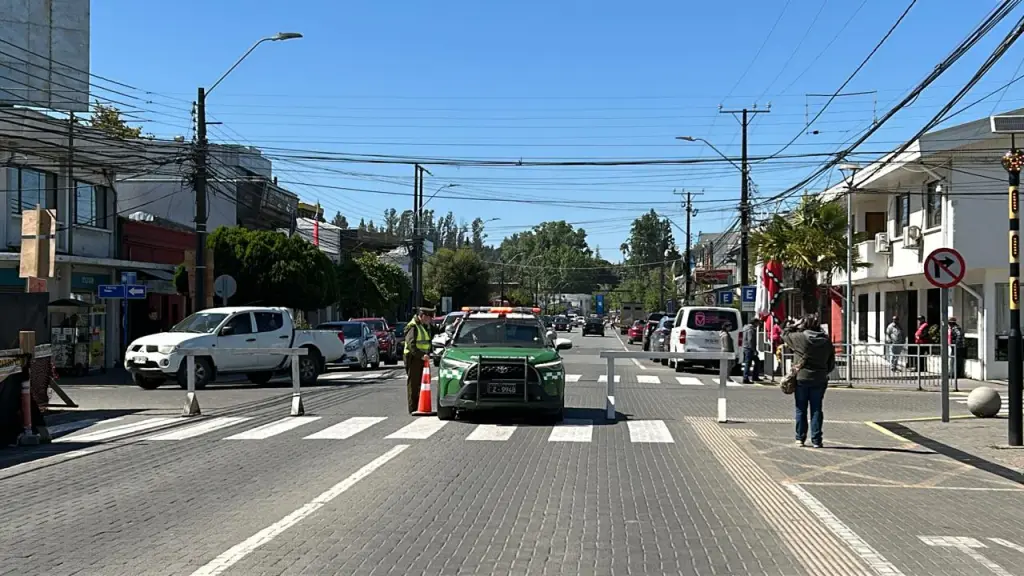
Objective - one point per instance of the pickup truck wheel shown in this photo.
(259, 377)
(309, 368)
(146, 383)
(204, 373)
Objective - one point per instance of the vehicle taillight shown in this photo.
(682, 336)
(341, 336)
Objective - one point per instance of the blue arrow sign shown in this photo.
(111, 291)
(135, 291)
(725, 298)
(749, 294)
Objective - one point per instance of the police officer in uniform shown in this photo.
(417, 347)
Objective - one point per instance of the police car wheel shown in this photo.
(445, 413)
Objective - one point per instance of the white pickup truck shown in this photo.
(156, 358)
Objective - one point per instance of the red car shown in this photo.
(388, 345)
(636, 332)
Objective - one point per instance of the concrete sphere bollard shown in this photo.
(984, 402)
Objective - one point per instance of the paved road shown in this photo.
(359, 487)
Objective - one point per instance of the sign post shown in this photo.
(944, 268)
(748, 298)
(725, 298)
(128, 289)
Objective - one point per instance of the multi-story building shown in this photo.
(947, 190)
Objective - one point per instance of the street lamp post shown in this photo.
(202, 151)
(848, 305)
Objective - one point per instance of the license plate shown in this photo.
(139, 359)
(503, 389)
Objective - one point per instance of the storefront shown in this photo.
(92, 324)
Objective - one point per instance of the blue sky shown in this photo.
(540, 80)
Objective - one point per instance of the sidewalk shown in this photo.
(977, 442)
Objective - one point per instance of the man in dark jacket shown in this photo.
(815, 357)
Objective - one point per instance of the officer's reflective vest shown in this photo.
(422, 337)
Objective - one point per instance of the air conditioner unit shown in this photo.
(882, 245)
(912, 237)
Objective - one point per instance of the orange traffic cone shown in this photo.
(426, 407)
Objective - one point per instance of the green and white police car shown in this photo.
(502, 358)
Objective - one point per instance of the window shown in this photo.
(862, 317)
(874, 223)
(933, 205)
(268, 321)
(902, 214)
(970, 309)
(29, 188)
(90, 205)
(241, 324)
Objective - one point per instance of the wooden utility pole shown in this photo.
(690, 212)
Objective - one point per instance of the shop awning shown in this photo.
(159, 274)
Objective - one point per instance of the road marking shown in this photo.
(116, 431)
(816, 548)
(418, 430)
(573, 377)
(869, 555)
(238, 552)
(604, 378)
(199, 429)
(649, 432)
(741, 432)
(1008, 544)
(346, 429)
(689, 381)
(274, 428)
(491, 432)
(626, 348)
(887, 432)
(648, 379)
(915, 486)
(74, 426)
(572, 431)
(967, 546)
(16, 469)
(731, 384)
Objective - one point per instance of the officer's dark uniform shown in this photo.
(417, 347)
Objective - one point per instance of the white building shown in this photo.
(948, 189)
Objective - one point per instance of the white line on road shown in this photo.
(236, 553)
(491, 432)
(199, 429)
(573, 377)
(648, 379)
(274, 428)
(689, 381)
(626, 348)
(74, 426)
(346, 429)
(649, 431)
(573, 431)
(604, 378)
(123, 430)
(418, 430)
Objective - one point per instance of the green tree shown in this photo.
(650, 236)
(271, 269)
(811, 241)
(369, 285)
(339, 220)
(554, 255)
(461, 274)
(109, 120)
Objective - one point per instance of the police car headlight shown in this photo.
(452, 363)
(167, 349)
(554, 364)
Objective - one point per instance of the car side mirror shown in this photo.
(439, 341)
(552, 335)
(227, 331)
(563, 344)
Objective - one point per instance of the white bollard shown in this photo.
(610, 402)
(191, 402)
(297, 408)
(723, 379)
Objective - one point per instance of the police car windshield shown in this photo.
(509, 332)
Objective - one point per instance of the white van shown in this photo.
(696, 330)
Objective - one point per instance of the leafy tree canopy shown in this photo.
(371, 286)
(109, 120)
(461, 274)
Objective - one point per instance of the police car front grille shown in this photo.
(502, 371)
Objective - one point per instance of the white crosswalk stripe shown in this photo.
(198, 429)
(572, 431)
(573, 377)
(418, 430)
(346, 429)
(604, 378)
(689, 381)
(491, 432)
(649, 431)
(119, 431)
(274, 428)
(647, 379)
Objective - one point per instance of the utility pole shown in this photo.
(745, 195)
(1013, 161)
(72, 188)
(416, 255)
(690, 212)
(201, 210)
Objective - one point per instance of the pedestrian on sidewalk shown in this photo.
(725, 341)
(417, 347)
(815, 357)
(922, 341)
(958, 345)
(750, 352)
(895, 339)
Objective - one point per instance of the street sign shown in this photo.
(225, 287)
(135, 291)
(944, 267)
(725, 298)
(129, 278)
(709, 299)
(111, 291)
(599, 304)
(748, 298)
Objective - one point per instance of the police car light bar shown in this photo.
(502, 309)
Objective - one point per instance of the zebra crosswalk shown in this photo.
(163, 429)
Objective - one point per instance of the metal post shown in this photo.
(944, 352)
(297, 408)
(744, 217)
(610, 397)
(191, 402)
(200, 188)
(723, 382)
(27, 344)
(848, 308)
(1012, 162)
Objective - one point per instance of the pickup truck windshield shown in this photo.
(200, 323)
(499, 332)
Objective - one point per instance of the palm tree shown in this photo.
(810, 240)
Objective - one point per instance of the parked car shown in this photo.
(696, 330)
(662, 336)
(156, 358)
(561, 324)
(593, 326)
(388, 344)
(361, 346)
(650, 327)
(635, 333)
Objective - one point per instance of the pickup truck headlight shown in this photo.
(170, 349)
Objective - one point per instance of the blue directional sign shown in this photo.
(725, 298)
(129, 278)
(135, 291)
(599, 304)
(111, 291)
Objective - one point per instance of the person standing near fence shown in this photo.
(921, 340)
(814, 358)
(895, 338)
(958, 358)
(750, 352)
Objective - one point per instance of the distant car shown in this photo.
(561, 324)
(593, 326)
(650, 327)
(635, 332)
(361, 348)
(387, 342)
(548, 321)
(661, 338)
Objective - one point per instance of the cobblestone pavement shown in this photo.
(359, 487)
